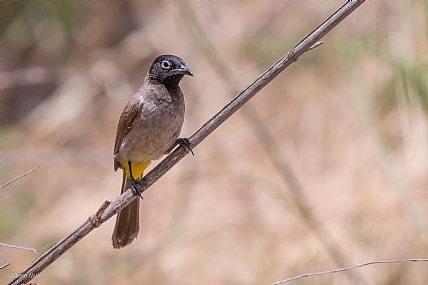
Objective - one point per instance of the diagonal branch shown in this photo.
(297, 198)
(61, 247)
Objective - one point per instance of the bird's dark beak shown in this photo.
(183, 70)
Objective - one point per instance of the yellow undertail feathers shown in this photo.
(137, 168)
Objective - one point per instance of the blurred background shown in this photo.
(326, 167)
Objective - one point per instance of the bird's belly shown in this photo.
(150, 137)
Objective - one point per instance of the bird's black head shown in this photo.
(168, 69)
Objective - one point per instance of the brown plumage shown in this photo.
(148, 128)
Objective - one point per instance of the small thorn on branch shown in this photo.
(315, 45)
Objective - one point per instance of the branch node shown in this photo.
(289, 55)
(94, 220)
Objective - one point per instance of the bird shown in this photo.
(148, 128)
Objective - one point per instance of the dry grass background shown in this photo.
(350, 118)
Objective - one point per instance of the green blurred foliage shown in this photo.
(26, 24)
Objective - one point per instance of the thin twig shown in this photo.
(20, 176)
(4, 265)
(349, 268)
(165, 165)
(21, 247)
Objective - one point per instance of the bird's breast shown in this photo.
(154, 131)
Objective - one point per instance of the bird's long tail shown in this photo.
(127, 221)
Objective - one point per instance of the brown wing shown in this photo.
(126, 120)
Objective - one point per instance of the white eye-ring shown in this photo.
(166, 64)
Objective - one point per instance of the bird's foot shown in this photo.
(135, 187)
(184, 142)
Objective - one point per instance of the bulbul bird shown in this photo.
(148, 128)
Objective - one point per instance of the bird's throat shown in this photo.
(172, 81)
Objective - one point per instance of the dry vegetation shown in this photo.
(350, 119)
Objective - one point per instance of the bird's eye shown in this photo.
(166, 64)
